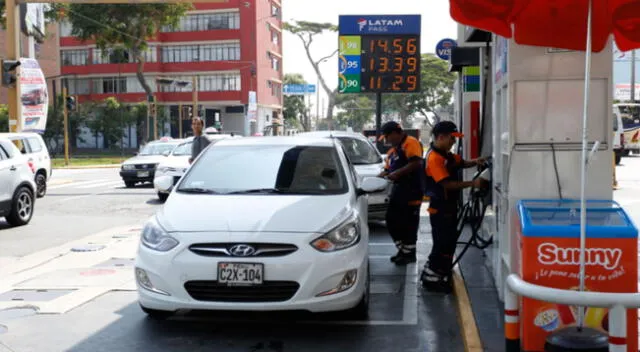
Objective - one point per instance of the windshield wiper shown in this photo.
(197, 190)
(260, 190)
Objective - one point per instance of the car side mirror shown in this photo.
(372, 185)
(163, 183)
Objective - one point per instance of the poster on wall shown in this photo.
(500, 58)
(33, 96)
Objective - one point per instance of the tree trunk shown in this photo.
(147, 89)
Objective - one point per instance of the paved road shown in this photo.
(83, 202)
(78, 203)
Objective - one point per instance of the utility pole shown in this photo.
(633, 76)
(318, 99)
(180, 120)
(155, 119)
(12, 52)
(194, 84)
(65, 114)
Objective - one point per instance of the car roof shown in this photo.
(277, 140)
(19, 134)
(329, 134)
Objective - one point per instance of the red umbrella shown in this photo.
(554, 23)
(584, 25)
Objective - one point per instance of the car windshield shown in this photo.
(266, 169)
(182, 149)
(360, 152)
(157, 148)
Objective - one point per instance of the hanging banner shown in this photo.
(33, 95)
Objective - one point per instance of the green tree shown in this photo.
(307, 31)
(437, 91)
(138, 116)
(4, 118)
(295, 110)
(109, 120)
(54, 131)
(359, 111)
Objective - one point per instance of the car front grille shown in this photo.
(269, 291)
(145, 166)
(260, 249)
(374, 208)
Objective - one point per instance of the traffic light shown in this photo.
(71, 103)
(152, 107)
(9, 76)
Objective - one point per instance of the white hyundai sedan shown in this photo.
(260, 224)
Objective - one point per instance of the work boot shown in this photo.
(395, 257)
(407, 255)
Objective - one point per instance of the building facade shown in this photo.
(228, 49)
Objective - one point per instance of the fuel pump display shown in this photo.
(549, 241)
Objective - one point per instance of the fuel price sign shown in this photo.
(379, 54)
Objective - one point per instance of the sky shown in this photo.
(436, 25)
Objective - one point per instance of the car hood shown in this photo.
(253, 213)
(145, 159)
(370, 170)
(176, 161)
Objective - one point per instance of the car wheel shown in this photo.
(361, 311)
(41, 185)
(156, 314)
(21, 207)
(129, 184)
(163, 196)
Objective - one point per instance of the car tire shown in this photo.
(361, 311)
(156, 314)
(21, 207)
(163, 196)
(129, 184)
(41, 184)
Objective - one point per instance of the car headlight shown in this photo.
(128, 167)
(156, 238)
(344, 236)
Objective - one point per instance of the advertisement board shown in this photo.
(33, 96)
(550, 257)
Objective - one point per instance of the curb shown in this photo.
(114, 166)
(466, 319)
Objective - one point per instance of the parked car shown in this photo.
(142, 167)
(17, 186)
(177, 163)
(368, 162)
(282, 227)
(35, 149)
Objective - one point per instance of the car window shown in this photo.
(34, 145)
(290, 169)
(7, 149)
(183, 149)
(157, 148)
(21, 144)
(360, 152)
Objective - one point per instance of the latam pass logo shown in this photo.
(551, 254)
(379, 25)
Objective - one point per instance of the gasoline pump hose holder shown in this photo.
(472, 213)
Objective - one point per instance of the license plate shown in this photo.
(143, 173)
(238, 274)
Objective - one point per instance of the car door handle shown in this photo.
(13, 168)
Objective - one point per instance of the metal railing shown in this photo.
(617, 303)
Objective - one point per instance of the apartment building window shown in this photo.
(176, 88)
(275, 63)
(275, 10)
(206, 52)
(111, 56)
(276, 89)
(76, 57)
(206, 22)
(220, 82)
(78, 86)
(275, 37)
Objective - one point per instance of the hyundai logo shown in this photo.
(242, 250)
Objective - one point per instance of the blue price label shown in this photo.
(349, 64)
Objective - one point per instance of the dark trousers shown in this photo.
(445, 239)
(403, 221)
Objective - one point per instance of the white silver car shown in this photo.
(142, 167)
(368, 162)
(35, 149)
(284, 227)
(17, 185)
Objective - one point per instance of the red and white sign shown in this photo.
(623, 92)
